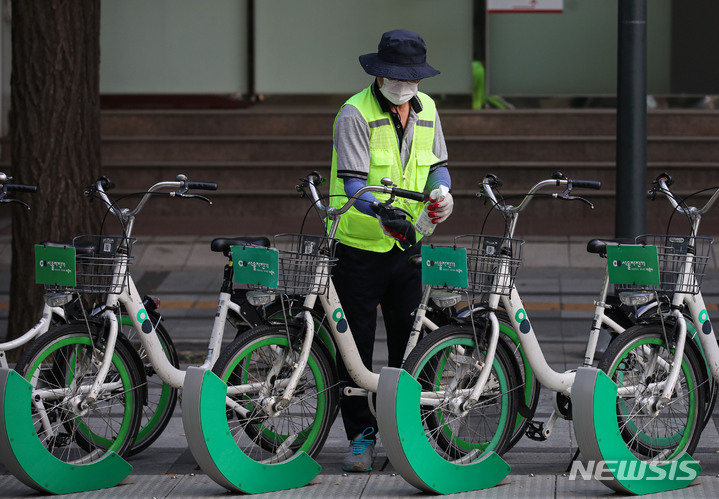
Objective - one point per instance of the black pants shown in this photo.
(364, 280)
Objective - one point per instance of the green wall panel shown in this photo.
(574, 52)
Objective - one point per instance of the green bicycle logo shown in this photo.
(144, 321)
(705, 322)
(339, 317)
(522, 320)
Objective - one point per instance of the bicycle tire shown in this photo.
(161, 398)
(713, 390)
(446, 359)
(279, 311)
(305, 422)
(640, 357)
(63, 359)
(531, 387)
(282, 309)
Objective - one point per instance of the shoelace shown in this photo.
(361, 445)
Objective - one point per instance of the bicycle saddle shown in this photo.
(599, 246)
(223, 244)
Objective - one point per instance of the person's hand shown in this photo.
(395, 224)
(440, 208)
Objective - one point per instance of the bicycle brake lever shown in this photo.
(90, 192)
(183, 194)
(397, 208)
(568, 197)
(7, 200)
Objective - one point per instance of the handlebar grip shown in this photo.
(106, 183)
(205, 186)
(668, 179)
(493, 181)
(587, 184)
(404, 193)
(20, 188)
(316, 178)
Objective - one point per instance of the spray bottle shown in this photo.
(424, 223)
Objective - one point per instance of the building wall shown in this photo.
(311, 46)
(173, 46)
(574, 52)
(305, 47)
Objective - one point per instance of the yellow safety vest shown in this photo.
(363, 231)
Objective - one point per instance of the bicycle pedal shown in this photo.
(59, 441)
(535, 430)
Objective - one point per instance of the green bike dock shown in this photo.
(594, 398)
(28, 460)
(400, 425)
(213, 446)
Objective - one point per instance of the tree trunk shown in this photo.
(55, 132)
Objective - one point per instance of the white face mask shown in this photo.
(398, 92)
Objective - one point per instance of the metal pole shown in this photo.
(631, 173)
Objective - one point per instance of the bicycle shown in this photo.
(441, 420)
(658, 384)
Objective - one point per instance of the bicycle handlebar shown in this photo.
(177, 188)
(558, 180)
(20, 188)
(203, 186)
(662, 183)
(314, 179)
(587, 184)
(5, 187)
(413, 195)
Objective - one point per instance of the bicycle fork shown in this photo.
(275, 405)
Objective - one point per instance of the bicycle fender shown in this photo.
(28, 460)
(400, 425)
(213, 447)
(600, 442)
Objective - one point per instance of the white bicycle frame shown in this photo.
(695, 305)
(512, 302)
(41, 327)
(133, 305)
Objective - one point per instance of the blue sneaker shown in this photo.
(361, 453)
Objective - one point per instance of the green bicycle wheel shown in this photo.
(447, 364)
(639, 361)
(161, 398)
(530, 385)
(61, 365)
(256, 368)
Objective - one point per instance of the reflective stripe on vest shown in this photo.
(362, 231)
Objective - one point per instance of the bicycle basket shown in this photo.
(305, 263)
(492, 264)
(673, 253)
(101, 264)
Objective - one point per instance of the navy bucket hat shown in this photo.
(401, 55)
